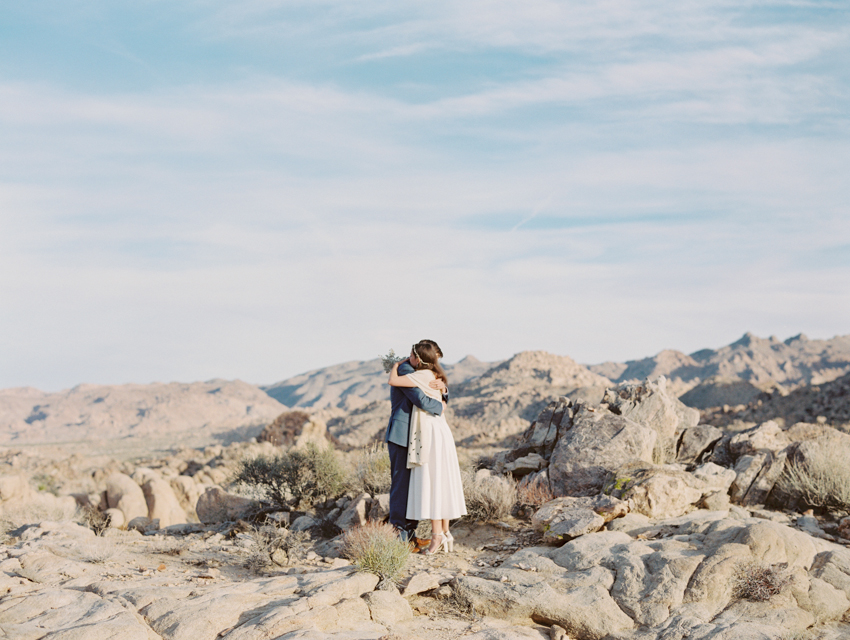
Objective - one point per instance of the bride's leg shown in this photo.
(437, 535)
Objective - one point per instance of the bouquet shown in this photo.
(389, 360)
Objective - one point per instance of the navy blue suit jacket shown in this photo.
(403, 400)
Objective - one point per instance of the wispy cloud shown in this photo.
(598, 179)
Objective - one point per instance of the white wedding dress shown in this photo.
(436, 489)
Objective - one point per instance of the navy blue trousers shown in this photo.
(398, 491)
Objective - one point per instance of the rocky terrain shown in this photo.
(633, 520)
(490, 401)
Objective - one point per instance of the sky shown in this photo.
(201, 189)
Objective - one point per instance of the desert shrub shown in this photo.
(375, 547)
(300, 475)
(488, 498)
(534, 494)
(267, 541)
(99, 551)
(372, 473)
(93, 518)
(823, 478)
(169, 546)
(47, 483)
(758, 581)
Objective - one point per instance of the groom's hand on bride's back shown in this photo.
(438, 384)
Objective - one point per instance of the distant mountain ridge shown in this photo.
(495, 399)
(766, 363)
(354, 384)
(212, 410)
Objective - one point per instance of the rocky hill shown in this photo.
(488, 407)
(177, 412)
(765, 363)
(352, 385)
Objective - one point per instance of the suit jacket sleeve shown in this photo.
(417, 396)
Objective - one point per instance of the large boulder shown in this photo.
(567, 518)
(652, 405)
(696, 441)
(162, 503)
(295, 429)
(668, 491)
(597, 443)
(123, 493)
(216, 505)
(187, 492)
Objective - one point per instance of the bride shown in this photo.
(436, 490)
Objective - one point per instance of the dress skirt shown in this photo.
(436, 489)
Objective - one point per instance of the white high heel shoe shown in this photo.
(440, 547)
(450, 542)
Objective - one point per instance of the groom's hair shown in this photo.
(435, 345)
(429, 354)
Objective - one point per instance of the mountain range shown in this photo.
(489, 400)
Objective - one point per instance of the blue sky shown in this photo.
(250, 190)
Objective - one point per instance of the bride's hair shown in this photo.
(429, 355)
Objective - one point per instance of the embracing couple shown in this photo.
(426, 483)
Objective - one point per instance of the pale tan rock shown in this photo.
(822, 600)
(123, 493)
(566, 518)
(162, 503)
(68, 614)
(766, 437)
(388, 608)
(116, 518)
(421, 582)
(216, 505)
(187, 491)
(15, 487)
(354, 515)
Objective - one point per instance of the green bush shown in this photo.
(375, 547)
(299, 476)
(372, 473)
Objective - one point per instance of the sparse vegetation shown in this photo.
(372, 473)
(823, 479)
(94, 519)
(299, 476)
(47, 483)
(488, 498)
(758, 582)
(98, 551)
(273, 545)
(376, 548)
(534, 494)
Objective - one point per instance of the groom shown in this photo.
(403, 399)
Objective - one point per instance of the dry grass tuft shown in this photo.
(271, 544)
(534, 494)
(169, 546)
(823, 480)
(488, 498)
(758, 582)
(98, 551)
(376, 548)
(372, 473)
